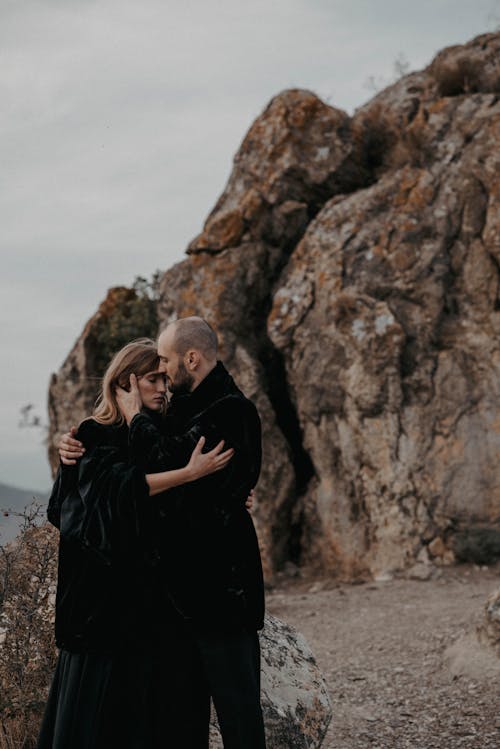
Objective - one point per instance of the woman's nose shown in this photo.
(161, 385)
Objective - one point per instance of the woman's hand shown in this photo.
(202, 464)
(129, 401)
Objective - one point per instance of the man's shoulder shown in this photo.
(89, 428)
(233, 406)
(92, 432)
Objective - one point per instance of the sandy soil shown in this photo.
(381, 647)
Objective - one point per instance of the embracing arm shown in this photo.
(238, 421)
(231, 417)
(153, 451)
(156, 450)
(200, 464)
(104, 503)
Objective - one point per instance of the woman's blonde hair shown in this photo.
(138, 357)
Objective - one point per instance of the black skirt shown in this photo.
(134, 700)
(78, 702)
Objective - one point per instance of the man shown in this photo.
(209, 553)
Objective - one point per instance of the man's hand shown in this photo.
(70, 450)
(249, 500)
(129, 403)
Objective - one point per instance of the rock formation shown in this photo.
(475, 654)
(295, 702)
(351, 268)
(489, 630)
(122, 316)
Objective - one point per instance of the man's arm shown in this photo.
(70, 448)
(238, 421)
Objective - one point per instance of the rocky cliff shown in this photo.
(351, 267)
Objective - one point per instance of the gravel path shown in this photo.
(380, 647)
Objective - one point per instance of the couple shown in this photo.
(160, 592)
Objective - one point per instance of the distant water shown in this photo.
(15, 499)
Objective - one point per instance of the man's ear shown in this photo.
(192, 360)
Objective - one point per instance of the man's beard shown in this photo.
(183, 381)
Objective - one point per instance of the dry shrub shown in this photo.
(414, 145)
(390, 144)
(462, 75)
(378, 132)
(28, 575)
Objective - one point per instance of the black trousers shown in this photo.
(158, 698)
(229, 671)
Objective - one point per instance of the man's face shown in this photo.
(179, 380)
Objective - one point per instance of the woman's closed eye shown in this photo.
(153, 379)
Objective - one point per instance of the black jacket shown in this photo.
(209, 552)
(107, 594)
(133, 569)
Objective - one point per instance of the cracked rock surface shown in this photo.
(351, 268)
(295, 700)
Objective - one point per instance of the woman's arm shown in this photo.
(108, 507)
(200, 464)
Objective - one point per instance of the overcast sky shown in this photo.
(120, 119)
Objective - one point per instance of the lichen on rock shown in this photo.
(351, 268)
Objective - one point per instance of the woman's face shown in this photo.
(153, 389)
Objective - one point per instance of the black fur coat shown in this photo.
(135, 569)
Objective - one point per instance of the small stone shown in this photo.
(423, 556)
(291, 569)
(437, 547)
(383, 577)
(448, 557)
(317, 586)
(420, 571)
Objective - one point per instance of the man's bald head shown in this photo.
(194, 333)
(188, 352)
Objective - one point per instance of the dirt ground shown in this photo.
(381, 648)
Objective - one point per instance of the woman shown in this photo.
(110, 609)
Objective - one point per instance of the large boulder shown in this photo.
(387, 316)
(124, 314)
(351, 268)
(295, 702)
(476, 654)
(489, 629)
(298, 153)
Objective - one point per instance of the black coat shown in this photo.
(107, 593)
(209, 552)
(134, 569)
